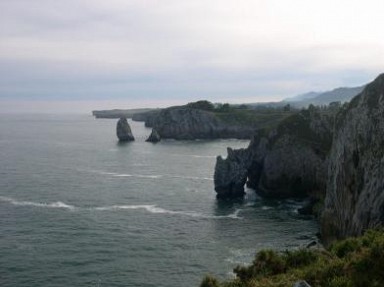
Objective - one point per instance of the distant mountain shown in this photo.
(302, 97)
(336, 95)
(316, 98)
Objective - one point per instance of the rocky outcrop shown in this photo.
(231, 173)
(123, 130)
(321, 154)
(184, 123)
(290, 160)
(154, 137)
(355, 190)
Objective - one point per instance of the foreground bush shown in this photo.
(354, 262)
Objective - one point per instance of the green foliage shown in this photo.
(209, 281)
(354, 262)
(201, 105)
(299, 258)
(266, 118)
(345, 247)
(298, 125)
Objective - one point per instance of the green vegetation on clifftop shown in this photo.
(354, 262)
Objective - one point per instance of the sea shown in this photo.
(78, 208)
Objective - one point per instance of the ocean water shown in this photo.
(77, 208)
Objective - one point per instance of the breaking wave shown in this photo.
(158, 210)
(149, 208)
(57, 204)
(115, 174)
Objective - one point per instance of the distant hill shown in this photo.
(302, 97)
(316, 98)
(336, 95)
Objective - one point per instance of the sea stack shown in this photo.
(154, 137)
(123, 131)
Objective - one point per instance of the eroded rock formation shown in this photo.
(290, 160)
(154, 137)
(319, 154)
(123, 130)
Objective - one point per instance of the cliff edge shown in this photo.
(355, 188)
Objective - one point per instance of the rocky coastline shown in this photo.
(288, 161)
(184, 123)
(204, 120)
(333, 156)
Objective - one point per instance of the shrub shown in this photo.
(301, 257)
(354, 262)
(345, 247)
(209, 281)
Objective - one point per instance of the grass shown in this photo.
(353, 262)
(268, 118)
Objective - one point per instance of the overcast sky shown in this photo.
(78, 55)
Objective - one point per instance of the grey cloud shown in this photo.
(220, 50)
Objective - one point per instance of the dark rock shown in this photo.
(123, 130)
(308, 208)
(184, 123)
(301, 283)
(355, 190)
(290, 160)
(312, 244)
(154, 137)
(231, 174)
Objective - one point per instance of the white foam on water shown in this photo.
(266, 207)
(149, 208)
(57, 204)
(195, 155)
(136, 175)
(158, 210)
(157, 176)
(191, 177)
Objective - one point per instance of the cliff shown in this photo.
(203, 120)
(290, 160)
(334, 154)
(355, 188)
(184, 123)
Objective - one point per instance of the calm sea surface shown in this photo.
(79, 209)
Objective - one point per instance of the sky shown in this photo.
(80, 55)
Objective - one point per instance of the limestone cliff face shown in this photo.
(355, 190)
(123, 130)
(183, 123)
(288, 161)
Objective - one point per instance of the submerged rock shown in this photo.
(123, 130)
(154, 137)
